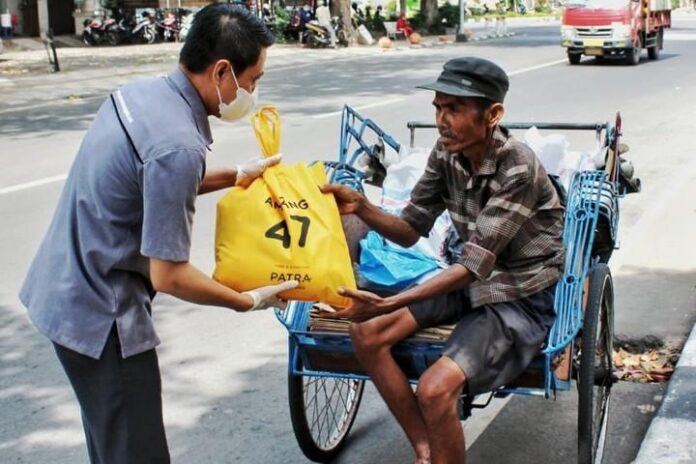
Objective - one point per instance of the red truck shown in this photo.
(614, 28)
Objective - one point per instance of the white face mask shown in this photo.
(241, 106)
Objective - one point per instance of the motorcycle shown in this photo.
(318, 36)
(145, 29)
(97, 31)
(167, 27)
(186, 22)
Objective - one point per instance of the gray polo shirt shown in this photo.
(129, 196)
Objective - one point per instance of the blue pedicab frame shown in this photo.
(326, 382)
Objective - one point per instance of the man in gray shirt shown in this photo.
(122, 231)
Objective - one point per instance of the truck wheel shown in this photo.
(654, 51)
(574, 58)
(633, 54)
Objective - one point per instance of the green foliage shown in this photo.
(449, 14)
(417, 21)
(281, 19)
(542, 6)
(390, 9)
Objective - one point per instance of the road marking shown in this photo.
(32, 184)
(534, 68)
(679, 37)
(399, 99)
(362, 107)
(63, 100)
(49, 180)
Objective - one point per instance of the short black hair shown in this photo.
(224, 32)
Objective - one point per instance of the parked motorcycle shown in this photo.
(318, 36)
(145, 29)
(98, 31)
(167, 25)
(186, 22)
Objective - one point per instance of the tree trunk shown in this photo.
(402, 6)
(342, 9)
(429, 11)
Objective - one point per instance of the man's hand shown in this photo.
(265, 297)
(349, 201)
(366, 305)
(250, 170)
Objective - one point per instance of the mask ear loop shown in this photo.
(234, 77)
(217, 87)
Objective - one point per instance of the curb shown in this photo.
(479, 38)
(671, 438)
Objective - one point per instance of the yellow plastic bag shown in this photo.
(283, 228)
(266, 123)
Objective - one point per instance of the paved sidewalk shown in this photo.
(671, 438)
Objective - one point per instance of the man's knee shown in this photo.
(440, 387)
(367, 336)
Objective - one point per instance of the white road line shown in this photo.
(534, 68)
(32, 184)
(64, 100)
(61, 177)
(362, 107)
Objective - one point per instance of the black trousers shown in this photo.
(121, 402)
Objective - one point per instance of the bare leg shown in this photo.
(372, 341)
(438, 392)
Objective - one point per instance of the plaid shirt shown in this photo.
(508, 214)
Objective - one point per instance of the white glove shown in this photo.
(250, 170)
(265, 297)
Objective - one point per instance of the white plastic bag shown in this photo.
(552, 151)
(402, 176)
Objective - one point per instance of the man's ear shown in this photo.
(495, 114)
(218, 70)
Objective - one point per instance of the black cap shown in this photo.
(471, 77)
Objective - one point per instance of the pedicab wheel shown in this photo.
(322, 411)
(595, 374)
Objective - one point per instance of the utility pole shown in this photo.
(461, 36)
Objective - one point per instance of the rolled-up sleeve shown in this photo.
(426, 203)
(170, 186)
(499, 221)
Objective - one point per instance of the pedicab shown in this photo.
(326, 381)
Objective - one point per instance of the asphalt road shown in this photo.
(224, 374)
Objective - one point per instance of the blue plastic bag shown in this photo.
(384, 266)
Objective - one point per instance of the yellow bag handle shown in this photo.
(266, 123)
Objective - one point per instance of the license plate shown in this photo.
(594, 51)
(593, 42)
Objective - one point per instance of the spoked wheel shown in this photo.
(595, 374)
(322, 410)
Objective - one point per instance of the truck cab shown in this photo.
(614, 28)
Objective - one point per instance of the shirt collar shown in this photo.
(190, 94)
